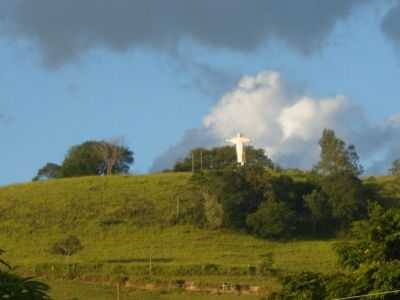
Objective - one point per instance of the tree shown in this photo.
(240, 191)
(273, 219)
(336, 157)
(48, 171)
(115, 156)
(374, 256)
(303, 286)
(395, 169)
(320, 211)
(96, 158)
(346, 197)
(219, 158)
(213, 210)
(67, 247)
(371, 260)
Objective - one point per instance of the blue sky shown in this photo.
(151, 96)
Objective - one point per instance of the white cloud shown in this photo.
(288, 125)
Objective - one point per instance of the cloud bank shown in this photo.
(64, 30)
(288, 125)
(391, 23)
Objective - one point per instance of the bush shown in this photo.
(213, 211)
(14, 287)
(273, 220)
(266, 265)
(303, 286)
(67, 247)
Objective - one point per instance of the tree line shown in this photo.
(267, 201)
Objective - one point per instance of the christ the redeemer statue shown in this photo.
(240, 141)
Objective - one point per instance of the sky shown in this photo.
(167, 76)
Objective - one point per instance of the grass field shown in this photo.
(62, 290)
(123, 221)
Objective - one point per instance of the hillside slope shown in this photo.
(123, 221)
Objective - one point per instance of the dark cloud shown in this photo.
(391, 23)
(208, 79)
(66, 29)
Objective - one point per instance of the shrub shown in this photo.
(14, 287)
(67, 247)
(214, 212)
(273, 219)
(303, 286)
(266, 265)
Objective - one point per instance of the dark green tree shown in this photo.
(346, 196)
(48, 171)
(303, 286)
(371, 260)
(240, 191)
(336, 157)
(378, 240)
(96, 158)
(273, 220)
(219, 158)
(317, 203)
(16, 287)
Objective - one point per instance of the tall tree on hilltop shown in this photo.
(336, 157)
(97, 158)
(116, 157)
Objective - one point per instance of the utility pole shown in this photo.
(192, 161)
(151, 264)
(201, 160)
(177, 207)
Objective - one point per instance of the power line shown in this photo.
(369, 295)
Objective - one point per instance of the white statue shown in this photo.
(240, 141)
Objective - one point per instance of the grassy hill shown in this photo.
(124, 221)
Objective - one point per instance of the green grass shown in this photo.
(62, 290)
(178, 245)
(122, 221)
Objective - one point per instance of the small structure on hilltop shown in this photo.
(240, 141)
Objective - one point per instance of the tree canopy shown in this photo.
(219, 158)
(370, 261)
(336, 156)
(48, 171)
(90, 158)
